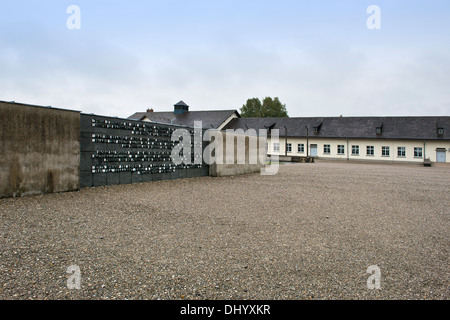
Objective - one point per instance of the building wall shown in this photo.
(428, 148)
(240, 154)
(40, 150)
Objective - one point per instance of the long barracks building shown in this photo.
(399, 139)
(411, 139)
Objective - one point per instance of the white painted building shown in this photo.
(400, 139)
(363, 149)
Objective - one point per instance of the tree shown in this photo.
(269, 107)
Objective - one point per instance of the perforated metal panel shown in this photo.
(120, 151)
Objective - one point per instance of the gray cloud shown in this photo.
(85, 72)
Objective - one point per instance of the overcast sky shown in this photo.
(319, 57)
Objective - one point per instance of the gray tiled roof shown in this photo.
(210, 119)
(421, 128)
(181, 103)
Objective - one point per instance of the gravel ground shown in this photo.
(309, 232)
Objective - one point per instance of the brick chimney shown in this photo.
(150, 110)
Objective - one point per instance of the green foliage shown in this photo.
(269, 107)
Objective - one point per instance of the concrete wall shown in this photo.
(40, 150)
(46, 150)
(110, 147)
(240, 154)
(428, 147)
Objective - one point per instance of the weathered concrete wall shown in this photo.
(40, 150)
(240, 154)
(46, 150)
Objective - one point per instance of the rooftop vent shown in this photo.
(379, 129)
(180, 108)
(317, 129)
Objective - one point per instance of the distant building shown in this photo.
(356, 138)
(400, 139)
(215, 119)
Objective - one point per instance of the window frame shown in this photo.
(355, 147)
(416, 149)
(276, 147)
(289, 147)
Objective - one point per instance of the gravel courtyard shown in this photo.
(309, 232)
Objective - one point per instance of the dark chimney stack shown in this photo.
(150, 110)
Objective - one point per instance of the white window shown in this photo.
(326, 149)
(340, 149)
(401, 152)
(355, 150)
(370, 150)
(418, 152)
(385, 151)
(300, 148)
(276, 147)
(289, 147)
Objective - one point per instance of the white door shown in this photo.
(313, 151)
(440, 156)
